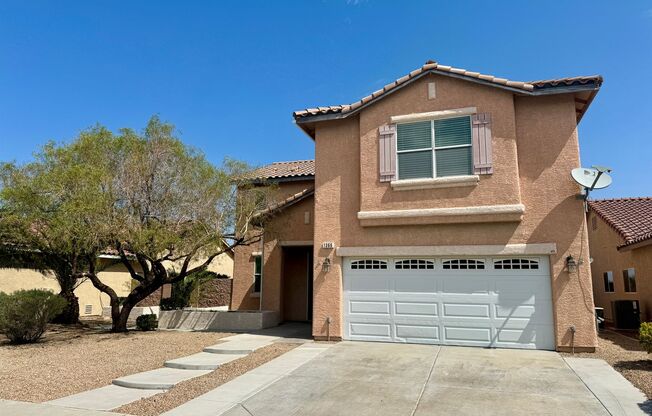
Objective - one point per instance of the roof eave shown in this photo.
(633, 246)
(589, 86)
(267, 181)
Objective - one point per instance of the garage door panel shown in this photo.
(467, 286)
(467, 333)
(415, 309)
(420, 284)
(456, 310)
(370, 284)
(369, 307)
(416, 333)
(369, 329)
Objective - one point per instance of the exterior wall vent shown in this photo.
(88, 310)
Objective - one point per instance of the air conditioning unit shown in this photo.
(626, 314)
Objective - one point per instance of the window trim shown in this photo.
(433, 145)
(608, 284)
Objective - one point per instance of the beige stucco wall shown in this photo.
(222, 264)
(603, 241)
(287, 227)
(535, 148)
(114, 275)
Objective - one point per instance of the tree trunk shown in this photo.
(120, 314)
(70, 314)
(119, 320)
(117, 324)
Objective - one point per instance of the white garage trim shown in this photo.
(503, 302)
(480, 250)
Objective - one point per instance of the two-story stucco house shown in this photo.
(439, 209)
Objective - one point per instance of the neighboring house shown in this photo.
(440, 210)
(91, 300)
(620, 238)
(113, 273)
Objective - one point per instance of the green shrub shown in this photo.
(25, 314)
(645, 336)
(147, 322)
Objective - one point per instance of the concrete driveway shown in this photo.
(377, 379)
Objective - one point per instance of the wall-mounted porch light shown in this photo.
(571, 264)
(326, 265)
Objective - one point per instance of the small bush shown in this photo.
(147, 322)
(25, 314)
(645, 336)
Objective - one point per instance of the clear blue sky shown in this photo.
(229, 74)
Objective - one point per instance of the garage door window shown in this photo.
(414, 264)
(463, 264)
(369, 264)
(516, 264)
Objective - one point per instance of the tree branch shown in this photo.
(95, 280)
(127, 264)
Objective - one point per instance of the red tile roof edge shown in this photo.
(595, 206)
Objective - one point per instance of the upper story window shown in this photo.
(435, 148)
(609, 282)
(629, 277)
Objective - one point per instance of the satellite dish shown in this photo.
(592, 178)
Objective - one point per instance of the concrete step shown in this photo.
(161, 378)
(202, 361)
(240, 347)
(104, 398)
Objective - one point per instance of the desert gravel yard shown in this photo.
(625, 355)
(69, 360)
(190, 389)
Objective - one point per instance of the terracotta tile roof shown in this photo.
(630, 217)
(292, 199)
(280, 170)
(431, 66)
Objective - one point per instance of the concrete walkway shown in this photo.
(134, 387)
(613, 390)
(13, 408)
(236, 391)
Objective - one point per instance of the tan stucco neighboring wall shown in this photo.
(289, 226)
(222, 264)
(115, 275)
(603, 241)
(535, 140)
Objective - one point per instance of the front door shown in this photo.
(297, 284)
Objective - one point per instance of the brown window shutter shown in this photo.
(482, 154)
(387, 152)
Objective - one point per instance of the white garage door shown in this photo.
(487, 302)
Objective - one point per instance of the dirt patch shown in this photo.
(187, 390)
(72, 359)
(625, 355)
